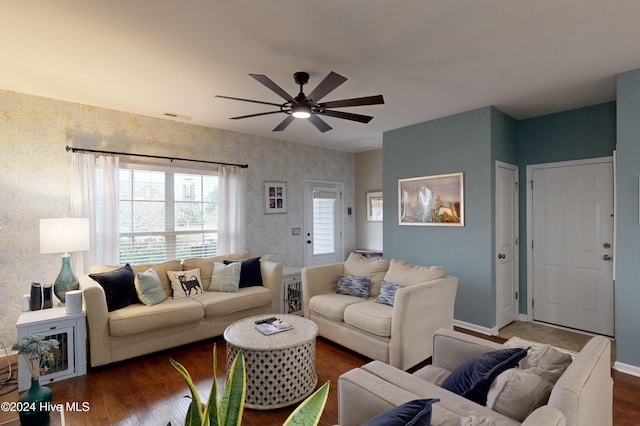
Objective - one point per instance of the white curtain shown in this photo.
(94, 194)
(231, 211)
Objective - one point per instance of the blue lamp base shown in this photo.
(66, 280)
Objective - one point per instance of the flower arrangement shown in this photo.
(36, 352)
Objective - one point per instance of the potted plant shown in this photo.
(37, 353)
(228, 411)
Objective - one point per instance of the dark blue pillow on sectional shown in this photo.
(473, 378)
(413, 413)
(250, 273)
(119, 287)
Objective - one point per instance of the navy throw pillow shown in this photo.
(473, 378)
(119, 287)
(250, 273)
(413, 413)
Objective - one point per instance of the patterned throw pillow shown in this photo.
(352, 285)
(149, 287)
(225, 277)
(387, 293)
(185, 283)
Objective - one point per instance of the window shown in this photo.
(166, 214)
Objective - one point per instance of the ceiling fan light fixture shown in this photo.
(301, 111)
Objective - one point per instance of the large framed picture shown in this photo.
(275, 197)
(374, 206)
(431, 200)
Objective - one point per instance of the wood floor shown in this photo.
(148, 390)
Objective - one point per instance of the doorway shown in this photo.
(570, 214)
(323, 222)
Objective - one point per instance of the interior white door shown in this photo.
(572, 217)
(506, 243)
(323, 223)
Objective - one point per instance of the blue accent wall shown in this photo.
(469, 142)
(588, 132)
(628, 229)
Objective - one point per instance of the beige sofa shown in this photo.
(582, 396)
(399, 335)
(139, 329)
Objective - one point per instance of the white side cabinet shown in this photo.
(291, 291)
(70, 359)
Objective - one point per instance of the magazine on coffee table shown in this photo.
(272, 327)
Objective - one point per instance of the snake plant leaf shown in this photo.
(309, 412)
(212, 409)
(232, 401)
(195, 413)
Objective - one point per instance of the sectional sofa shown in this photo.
(139, 329)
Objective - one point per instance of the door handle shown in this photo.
(607, 257)
(308, 241)
(502, 256)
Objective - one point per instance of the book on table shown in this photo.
(273, 327)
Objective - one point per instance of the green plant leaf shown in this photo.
(310, 410)
(195, 413)
(211, 410)
(232, 401)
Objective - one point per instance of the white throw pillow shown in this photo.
(149, 287)
(185, 283)
(516, 393)
(226, 277)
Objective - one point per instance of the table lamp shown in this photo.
(64, 235)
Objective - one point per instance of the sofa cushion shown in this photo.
(225, 277)
(352, 285)
(332, 305)
(387, 293)
(250, 273)
(412, 413)
(149, 287)
(370, 316)
(473, 378)
(404, 273)
(358, 265)
(119, 287)
(548, 362)
(139, 318)
(432, 374)
(221, 303)
(185, 283)
(206, 265)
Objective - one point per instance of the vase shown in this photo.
(35, 404)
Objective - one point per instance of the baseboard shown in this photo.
(477, 328)
(626, 368)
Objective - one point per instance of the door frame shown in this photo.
(307, 220)
(529, 212)
(516, 219)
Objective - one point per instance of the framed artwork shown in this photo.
(275, 197)
(374, 206)
(431, 200)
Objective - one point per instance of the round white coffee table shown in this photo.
(281, 367)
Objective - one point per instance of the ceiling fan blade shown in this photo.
(319, 123)
(326, 86)
(273, 86)
(255, 115)
(347, 116)
(284, 123)
(367, 100)
(247, 100)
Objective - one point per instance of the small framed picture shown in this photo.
(275, 197)
(374, 206)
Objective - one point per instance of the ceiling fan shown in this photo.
(309, 106)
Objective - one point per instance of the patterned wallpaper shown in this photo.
(35, 175)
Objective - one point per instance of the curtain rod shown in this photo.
(72, 149)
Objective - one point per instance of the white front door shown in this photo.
(506, 255)
(572, 247)
(323, 223)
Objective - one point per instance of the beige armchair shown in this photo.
(400, 335)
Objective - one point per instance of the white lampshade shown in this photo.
(64, 235)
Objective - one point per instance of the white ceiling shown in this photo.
(429, 58)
